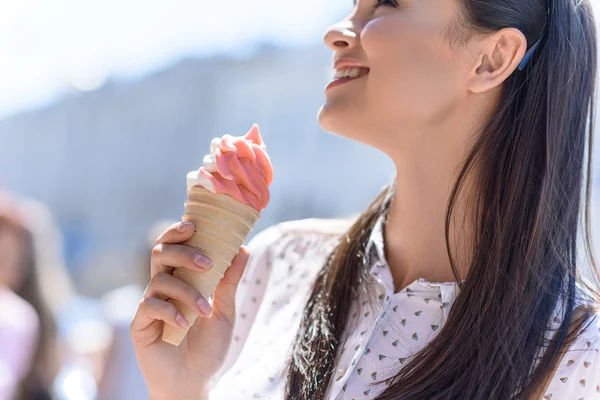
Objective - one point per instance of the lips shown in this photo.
(341, 81)
(347, 63)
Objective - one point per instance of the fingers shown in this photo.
(177, 233)
(152, 309)
(234, 273)
(164, 286)
(225, 292)
(165, 257)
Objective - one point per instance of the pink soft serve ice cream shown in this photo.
(238, 166)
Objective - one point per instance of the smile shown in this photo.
(342, 76)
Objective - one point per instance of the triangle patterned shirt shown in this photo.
(390, 327)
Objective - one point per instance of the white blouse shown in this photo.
(286, 258)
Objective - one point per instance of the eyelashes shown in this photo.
(392, 3)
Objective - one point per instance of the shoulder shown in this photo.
(275, 236)
(284, 257)
(578, 373)
(318, 226)
(299, 245)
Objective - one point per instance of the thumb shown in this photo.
(224, 294)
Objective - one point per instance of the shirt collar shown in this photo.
(448, 291)
(375, 250)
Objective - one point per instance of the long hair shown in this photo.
(528, 164)
(35, 385)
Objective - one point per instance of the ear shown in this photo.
(497, 57)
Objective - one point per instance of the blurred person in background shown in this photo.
(83, 335)
(28, 348)
(74, 337)
(58, 289)
(462, 279)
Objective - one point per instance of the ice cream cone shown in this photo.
(222, 226)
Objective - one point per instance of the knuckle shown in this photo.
(146, 303)
(160, 279)
(157, 250)
(192, 293)
(168, 309)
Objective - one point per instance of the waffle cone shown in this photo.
(222, 226)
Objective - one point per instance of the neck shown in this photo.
(415, 245)
(428, 160)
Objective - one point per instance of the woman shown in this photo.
(461, 279)
(27, 349)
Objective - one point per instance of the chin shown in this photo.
(323, 118)
(333, 120)
(339, 124)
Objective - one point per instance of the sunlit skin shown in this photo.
(421, 104)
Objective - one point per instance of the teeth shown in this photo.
(349, 72)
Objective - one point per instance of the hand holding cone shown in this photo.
(224, 201)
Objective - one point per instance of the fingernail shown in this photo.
(184, 226)
(204, 306)
(182, 321)
(202, 261)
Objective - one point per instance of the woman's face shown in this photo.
(11, 250)
(414, 78)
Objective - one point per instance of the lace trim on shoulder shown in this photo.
(300, 241)
(318, 226)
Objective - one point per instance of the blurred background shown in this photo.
(104, 108)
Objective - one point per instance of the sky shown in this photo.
(47, 47)
(50, 46)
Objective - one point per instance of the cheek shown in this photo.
(411, 69)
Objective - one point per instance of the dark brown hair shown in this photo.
(528, 165)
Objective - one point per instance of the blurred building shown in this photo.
(112, 162)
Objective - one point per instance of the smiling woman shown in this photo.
(463, 278)
(443, 94)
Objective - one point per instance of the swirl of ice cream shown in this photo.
(238, 166)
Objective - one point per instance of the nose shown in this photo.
(341, 35)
